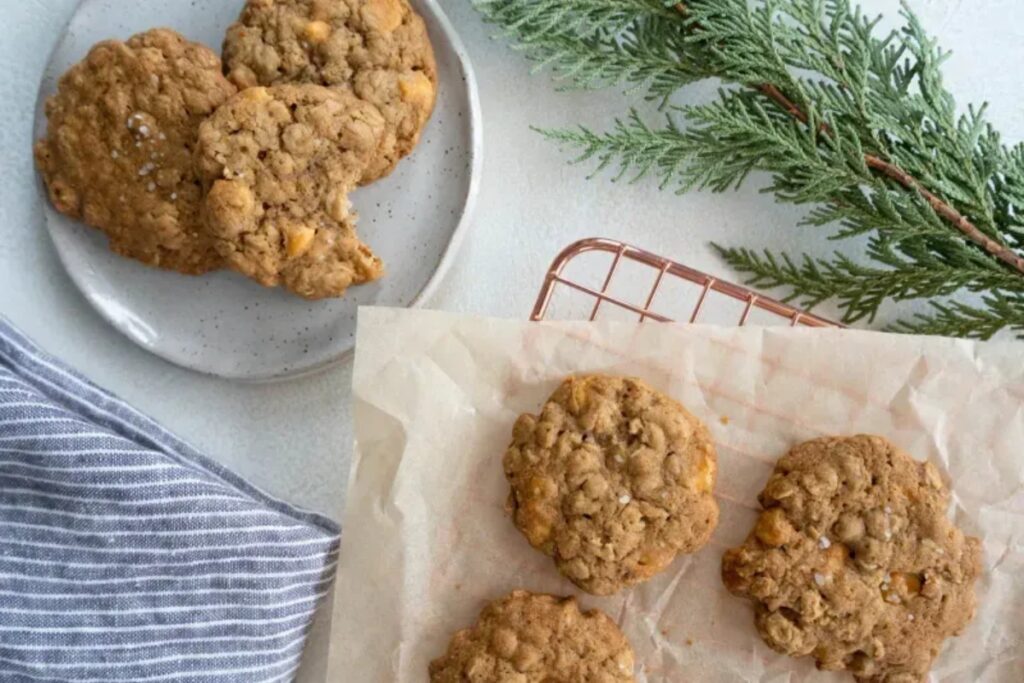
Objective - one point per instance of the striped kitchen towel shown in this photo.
(125, 555)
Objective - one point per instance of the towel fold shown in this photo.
(125, 555)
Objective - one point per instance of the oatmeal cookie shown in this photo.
(378, 49)
(613, 480)
(278, 164)
(122, 128)
(854, 562)
(530, 638)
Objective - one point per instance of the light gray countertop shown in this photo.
(293, 438)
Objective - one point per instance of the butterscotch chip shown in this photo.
(121, 132)
(278, 164)
(530, 638)
(854, 562)
(613, 480)
(378, 49)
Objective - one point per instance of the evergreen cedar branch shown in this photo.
(858, 126)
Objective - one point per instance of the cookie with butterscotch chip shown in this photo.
(278, 164)
(378, 49)
(531, 638)
(613, 479)
(121, 131)
(853, 561)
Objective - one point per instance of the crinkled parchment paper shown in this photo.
(426, 541)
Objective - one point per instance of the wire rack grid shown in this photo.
(600, 277)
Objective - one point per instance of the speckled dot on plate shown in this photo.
(223, 324)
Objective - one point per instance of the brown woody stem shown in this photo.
(948, 212)
(1002, 252)
(773, 93)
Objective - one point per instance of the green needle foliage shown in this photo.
(602, 43)
(850, 121)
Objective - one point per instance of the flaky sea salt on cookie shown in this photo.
(854, 562)
(278, 164)
(121, 133)
(613, 479)
(378, 49)
(530, 638)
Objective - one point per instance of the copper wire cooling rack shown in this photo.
(605, 278)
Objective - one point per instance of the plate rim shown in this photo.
(450, 253)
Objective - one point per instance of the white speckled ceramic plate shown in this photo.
(225, 325)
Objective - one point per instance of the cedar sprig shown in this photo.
(600, 43)
(852, 122)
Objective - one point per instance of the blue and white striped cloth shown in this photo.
(125, 555)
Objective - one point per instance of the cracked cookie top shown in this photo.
(279, 163)
(122, 129)
(530, 638)
(378, 49)
(613, 480)
(854, 562)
